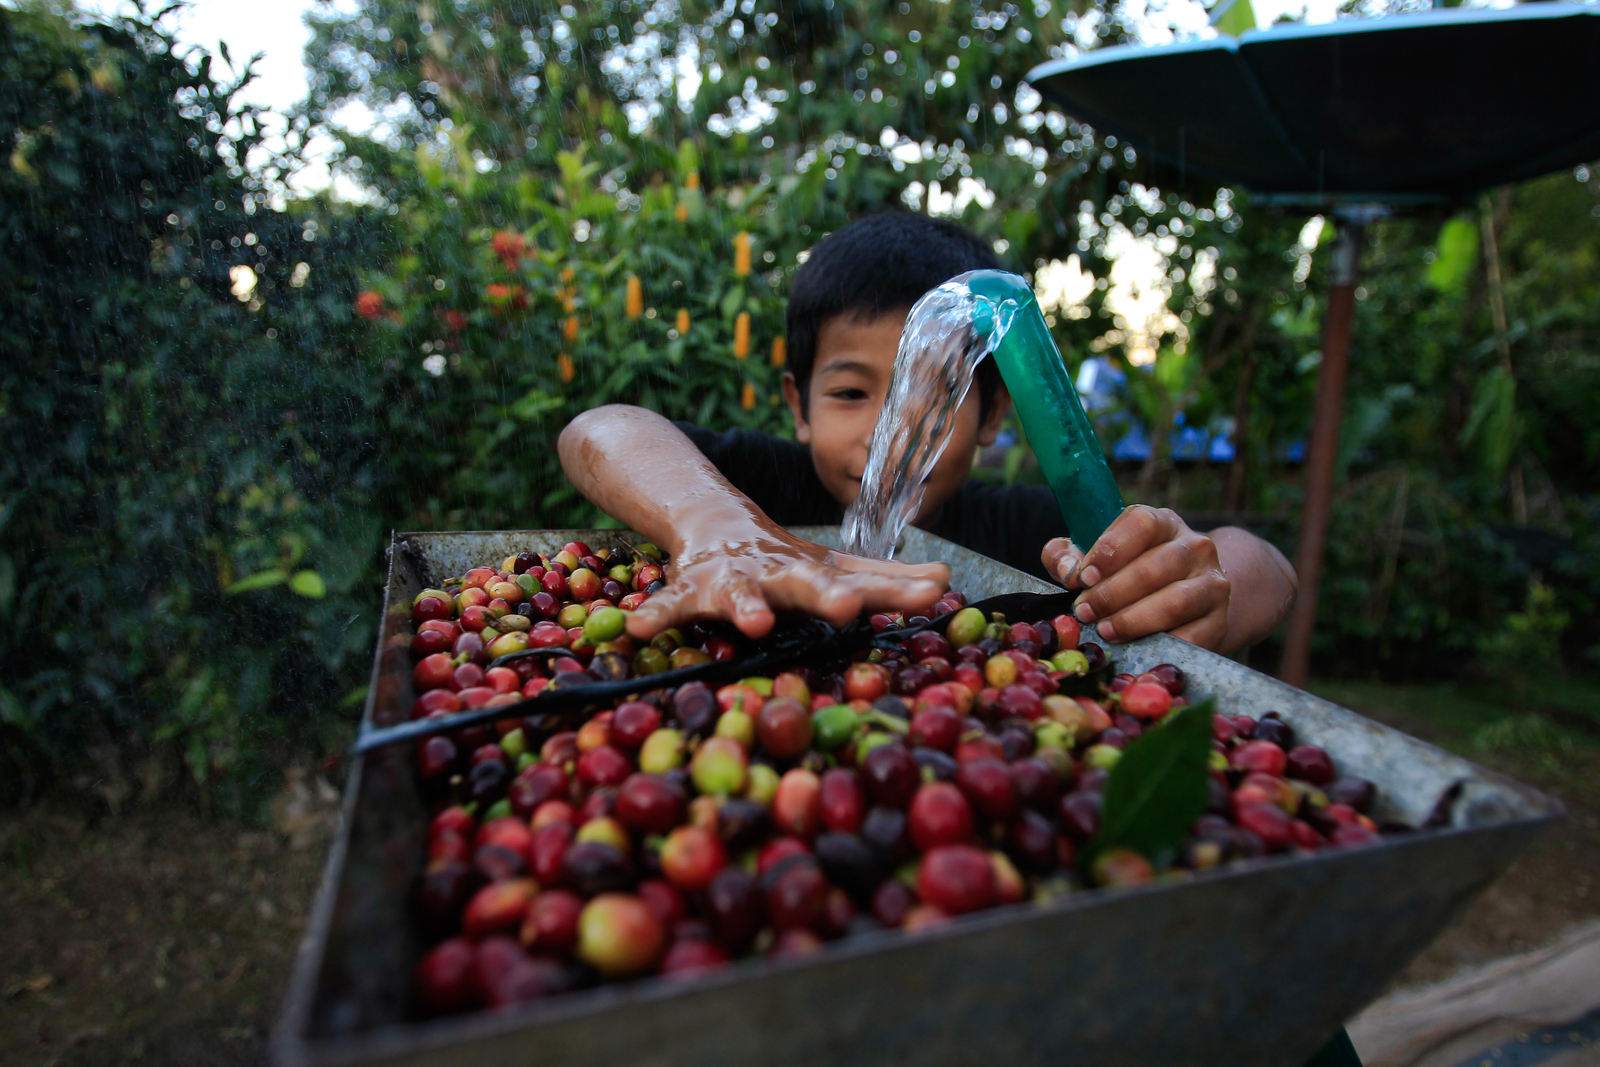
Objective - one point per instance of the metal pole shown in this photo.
(1324, 450)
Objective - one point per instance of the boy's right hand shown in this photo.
(745, 579)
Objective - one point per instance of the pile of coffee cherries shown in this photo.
(682, 829)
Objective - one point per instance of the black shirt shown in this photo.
(1010, 523)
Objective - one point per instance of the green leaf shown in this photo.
(309, 584)
(1233, 17)
(1158, 788)
(1456, 255)
(261, 580)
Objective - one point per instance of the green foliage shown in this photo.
(171, 454)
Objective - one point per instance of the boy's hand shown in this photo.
(745, 581)
(1148, 573)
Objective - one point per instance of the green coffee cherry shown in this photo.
(833, 726)
(606, 624)
(966, 627)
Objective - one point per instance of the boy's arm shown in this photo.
(1149, 572)
(730, 560)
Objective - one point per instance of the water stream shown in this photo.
(941, 346)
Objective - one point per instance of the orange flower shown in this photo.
(681, 212)
(567, 370)
(692, 181)
(635, 302)
(369, 305)
(741, 335)
(569, 300)
(508, 245)
(747, 399)
(780, 351)
(566, 274)
(683, 321)
(569, 329)
(741, 254)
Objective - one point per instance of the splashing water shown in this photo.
(948, 333)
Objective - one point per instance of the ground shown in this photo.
(160, 937)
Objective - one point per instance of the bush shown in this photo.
(185, 541)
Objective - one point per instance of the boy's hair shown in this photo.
(878, 264)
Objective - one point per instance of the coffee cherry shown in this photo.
(1036, 784)
(1311, 764)
(1268, 822)
(1146, 700)
(1358, 793)
(956, 879)
(661, 752)
(1263, 756)
(442, 979)
(720, 767)
(796, 895)
(690, 957)
(891, 774)
(842, 801)
(619, 936)
(603, 765)
(834, 726)
(987, 784)
(593, 867)
(691, 857)
(784, 727)
(936, 727)
(734, 901)
(633, 724)
(965, 627)
(797, 805)
(552, 922)
(1079, 813)
(939, 815)
(650, 804)
(1121, 866)
(497, 908)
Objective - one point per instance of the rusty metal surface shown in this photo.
(1255, 964)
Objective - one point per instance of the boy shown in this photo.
(718, 502)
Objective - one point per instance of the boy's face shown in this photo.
(849, 382)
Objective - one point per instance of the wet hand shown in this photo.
(1148, 573)
(745, 580)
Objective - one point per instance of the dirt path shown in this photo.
(157, 938)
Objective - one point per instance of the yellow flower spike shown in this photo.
(683, 321)
(681, 212)
(635, 303)
(748, 399)
(780, 352)
(569, 300)
(567, 274)
(564, 365)
(692, 181)
(741, 335)
(569, 329)
(741, 254)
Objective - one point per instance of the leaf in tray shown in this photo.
(1158, 788)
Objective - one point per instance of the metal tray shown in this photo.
(1256, 963)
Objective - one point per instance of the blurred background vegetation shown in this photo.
(216, 403)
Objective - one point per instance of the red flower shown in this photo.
(508, 245)
(369, 305)
(456, 320)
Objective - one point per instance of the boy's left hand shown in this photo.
(1148, 573)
